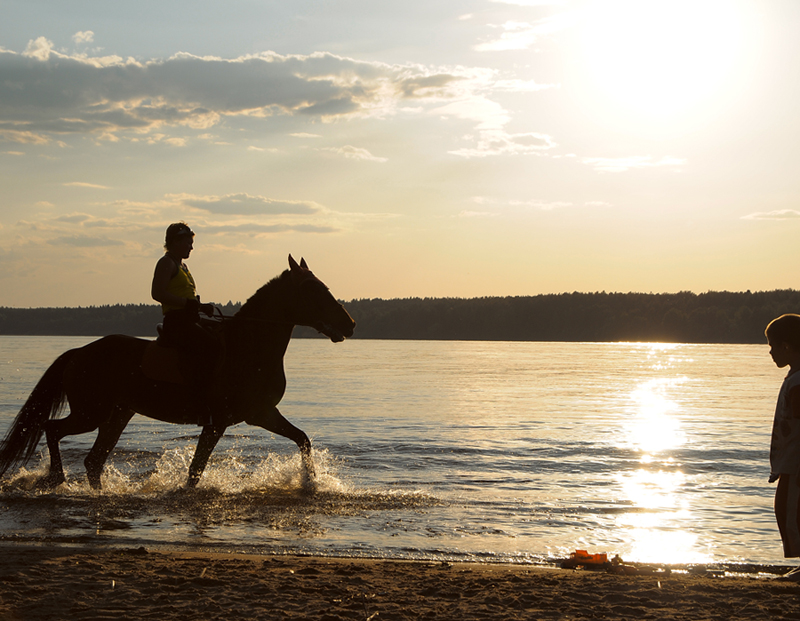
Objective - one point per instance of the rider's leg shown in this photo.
(203, 350)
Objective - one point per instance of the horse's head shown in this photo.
(314, 306)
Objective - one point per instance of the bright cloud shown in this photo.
(529, 2)
(622, 164)
(779, 214)
(244, 204)
(517, 206)
(522, 86)
(82, 184)
(521, 35)
(355, 153)
(499, 142)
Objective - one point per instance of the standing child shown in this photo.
(783, 336)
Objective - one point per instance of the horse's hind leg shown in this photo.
(107, 437)
(74, 424)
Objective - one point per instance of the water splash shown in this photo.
(236, 495)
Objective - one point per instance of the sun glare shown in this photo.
(659, 58)
(655, 428)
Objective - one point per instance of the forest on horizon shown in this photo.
(684, 317)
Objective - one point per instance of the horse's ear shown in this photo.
(303, 263)
(293, 264)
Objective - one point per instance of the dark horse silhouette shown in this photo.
(104, 383)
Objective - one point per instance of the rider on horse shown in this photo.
(174, 287)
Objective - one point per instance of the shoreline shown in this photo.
(722, 568)
(86, 582)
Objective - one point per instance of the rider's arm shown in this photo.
(165, 270)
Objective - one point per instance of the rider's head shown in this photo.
(175, 231)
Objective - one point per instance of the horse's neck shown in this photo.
(268, 304)
(262, 331)
(253, 350)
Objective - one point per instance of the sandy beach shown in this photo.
(83, 583)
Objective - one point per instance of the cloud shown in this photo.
(529, 2)
(74, 218)
(44, 91)
(255, 229)
(499, 142)
(521, 35)
(522, 86)
(780, 214)
(542, 205)
(355, 153)
(423, 86)
(477, 214)
(39, 49)
(22, 137)
(84, 241)
(622, 164)
(246, 205)
(489, 115)
(519, 205)
(81, 184)
(86, 36)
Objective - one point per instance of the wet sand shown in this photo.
(83, 583)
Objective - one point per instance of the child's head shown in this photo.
(784, 329)
(783, 335)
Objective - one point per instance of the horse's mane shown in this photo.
(264, 296)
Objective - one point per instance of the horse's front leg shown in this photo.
(272, 420)
(205, 446)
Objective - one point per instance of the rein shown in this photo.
(218, 315)
(322, 326)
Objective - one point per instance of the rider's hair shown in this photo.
(785, 329)
(175, 230)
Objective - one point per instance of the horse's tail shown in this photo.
(45, 402)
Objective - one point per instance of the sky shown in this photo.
(437, 148)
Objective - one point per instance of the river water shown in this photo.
(439, 450)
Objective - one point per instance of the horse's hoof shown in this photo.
(309, 476)
(50, 481)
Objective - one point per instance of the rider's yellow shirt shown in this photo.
(181, 285)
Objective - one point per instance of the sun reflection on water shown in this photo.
(656, 428)
(656, 530)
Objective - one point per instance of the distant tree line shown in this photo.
(685, 317)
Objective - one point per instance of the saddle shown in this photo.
(163, 362)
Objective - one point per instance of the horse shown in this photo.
(105, 384)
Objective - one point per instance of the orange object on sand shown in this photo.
(582, 557)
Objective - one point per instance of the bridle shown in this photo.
(322, 327)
